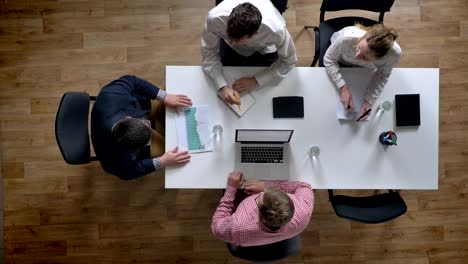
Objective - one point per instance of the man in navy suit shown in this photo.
(121, 129)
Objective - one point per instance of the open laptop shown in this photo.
(263, 153)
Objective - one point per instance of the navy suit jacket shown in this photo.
(126, 96)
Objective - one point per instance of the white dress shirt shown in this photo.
(343, 50)
(271, 36)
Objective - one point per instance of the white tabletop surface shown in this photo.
(351, 156)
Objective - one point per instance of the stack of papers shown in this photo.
(358, 94)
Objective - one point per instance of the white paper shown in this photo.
(358, 94)
(246, 100)
(194, 129)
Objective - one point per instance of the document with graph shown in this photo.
(194, 129)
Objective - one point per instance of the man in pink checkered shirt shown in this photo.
(274, 211)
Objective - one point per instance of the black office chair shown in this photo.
(326, 28)
(267, 253)
(71, 128)
(281, 5)
(370, 209)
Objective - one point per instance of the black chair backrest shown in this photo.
(380, 6)
(370, 209)
(71, 128)
(267, 253)
(368, 5)
(281, 5)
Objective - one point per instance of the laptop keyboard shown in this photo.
(262, 154)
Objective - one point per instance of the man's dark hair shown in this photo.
(244, 20)
(131, 133)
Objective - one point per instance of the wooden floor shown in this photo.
(56, 213)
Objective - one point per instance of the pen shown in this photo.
(363, 115)
(236, 94)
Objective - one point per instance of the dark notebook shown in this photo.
(407, 110)
(288, 106)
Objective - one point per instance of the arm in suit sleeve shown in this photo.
(127, 168)
(134, 86)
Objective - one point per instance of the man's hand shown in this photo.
(173, 157)
(227, 94)
(245, 84)
(254, 186)
(346, 97)
(365, 106)
(235, 179)
(174, 101)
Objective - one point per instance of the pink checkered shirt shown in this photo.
(244, 227)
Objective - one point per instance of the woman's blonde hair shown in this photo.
(379, 38)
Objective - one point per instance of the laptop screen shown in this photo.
(263, 135)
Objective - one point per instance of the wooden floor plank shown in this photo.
(21, 25)
(101, 199)
(50, 232)
(30, 74)
(15, 107)
(109, 71)
(110, 23)
(37, 249)
(37, 89)
(12, 169)
(20, 42)
(21, 217)
(36, 186)
(58, 57)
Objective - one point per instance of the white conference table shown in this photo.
(351, 156)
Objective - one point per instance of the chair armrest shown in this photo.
(317, 46)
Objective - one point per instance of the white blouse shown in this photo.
(343, 50)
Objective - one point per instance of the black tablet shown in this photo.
(288, 107)
(407, 110)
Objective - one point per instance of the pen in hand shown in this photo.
(236, 95)
(363, 115)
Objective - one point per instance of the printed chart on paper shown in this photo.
(194, 129)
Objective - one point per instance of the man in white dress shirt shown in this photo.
(241, 33)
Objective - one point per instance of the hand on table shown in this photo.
(235, 179)
(245, 84)
(228, 95)
(346, 97)
(254, 186)
(174, 101)
(173, 157)
(365, 106)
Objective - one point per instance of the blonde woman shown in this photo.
(370, 47)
